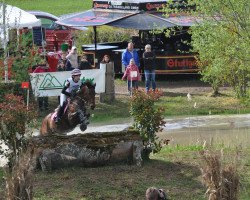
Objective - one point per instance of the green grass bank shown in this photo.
(56, 7)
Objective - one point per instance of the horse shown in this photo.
(76, 112)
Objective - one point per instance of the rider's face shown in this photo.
(76, 78)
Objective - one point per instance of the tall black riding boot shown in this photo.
(59, 114)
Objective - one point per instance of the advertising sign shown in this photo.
(51, 83)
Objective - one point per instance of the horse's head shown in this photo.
(87, 92)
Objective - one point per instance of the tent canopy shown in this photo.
(142, 21)
(181, 20)
(94, 17)
(15, 18)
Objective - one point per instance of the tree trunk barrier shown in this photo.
(88, 150)
(109, 95)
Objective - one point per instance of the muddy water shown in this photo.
(228, 130)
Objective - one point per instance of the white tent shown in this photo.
(12, 17)
(17, 18)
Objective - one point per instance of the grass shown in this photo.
(203, 104)
(175, 104)
(56, 7)
(175, 169)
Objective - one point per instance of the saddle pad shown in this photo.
(53, 116)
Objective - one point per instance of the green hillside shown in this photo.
(56, 7)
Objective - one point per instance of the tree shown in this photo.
(222, 39)
(148, 119)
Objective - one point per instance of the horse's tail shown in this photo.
(44, 130)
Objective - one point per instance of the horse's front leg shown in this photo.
(83, 120)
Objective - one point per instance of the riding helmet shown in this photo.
(76, 72)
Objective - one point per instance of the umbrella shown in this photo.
(142, 21)
(93, 17)
(181, 20)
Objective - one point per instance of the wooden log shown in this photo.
(90, 149)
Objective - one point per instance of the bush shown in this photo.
(222, 180)
(104, 34)
(14, 118)
(148, 119)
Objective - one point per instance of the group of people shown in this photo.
(69, 61)
(66, 62)
(131, 65)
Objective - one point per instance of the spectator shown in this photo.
(43, 102)
(106, 59)
(133, 76)
(84, 64)
(155, 194)
(149, 67)
(61, 66)
(62, 63)
(129, 53)
(73, 58)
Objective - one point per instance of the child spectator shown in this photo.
(106, 59)
(84, 64)
(61, 66)
(133, 76)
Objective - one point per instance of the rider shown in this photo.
(71, 86)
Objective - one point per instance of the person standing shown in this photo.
(133, 76)
(129, 53)
(73, 58)
(84, 64)
(43, 102)
(105, 59)
(149, 67)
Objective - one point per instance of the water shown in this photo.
(229, 130)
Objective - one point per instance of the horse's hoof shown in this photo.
(83, 127)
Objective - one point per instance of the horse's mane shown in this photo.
(89, 83)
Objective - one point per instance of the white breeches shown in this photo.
(63, 98)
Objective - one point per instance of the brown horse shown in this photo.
(75, 113)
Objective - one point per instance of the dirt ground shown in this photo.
(175, 84)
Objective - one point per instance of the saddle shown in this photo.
(65, 108)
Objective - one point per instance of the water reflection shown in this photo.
(229, 130)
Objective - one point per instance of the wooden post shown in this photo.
(109, 95)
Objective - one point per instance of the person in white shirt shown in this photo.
(73, 58)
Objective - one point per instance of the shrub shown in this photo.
(19, 181)
(222, 181)
(14, 118)
(104, 34)
(148, 119)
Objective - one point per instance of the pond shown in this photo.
(229, 130)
